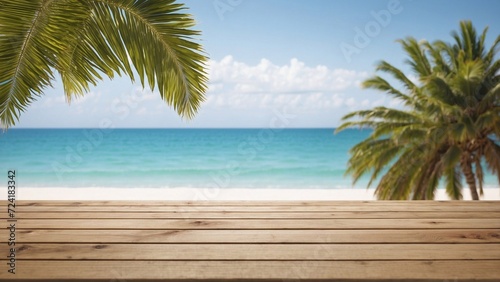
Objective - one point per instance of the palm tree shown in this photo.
(447, 128)
(85, 40)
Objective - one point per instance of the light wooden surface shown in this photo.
(265, 241)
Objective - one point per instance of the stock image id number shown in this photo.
(11, 190)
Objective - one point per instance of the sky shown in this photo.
(294, 59)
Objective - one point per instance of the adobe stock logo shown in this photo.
(224, 6)
(363, 37)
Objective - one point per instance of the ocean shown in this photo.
(194, 158)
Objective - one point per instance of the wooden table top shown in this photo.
(254, 240)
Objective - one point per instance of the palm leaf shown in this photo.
(396, 73)
(450, 122)
(85, 40)
(492, 157)
(381, 84)
(24, 56)
(419, 61)
(453, 179)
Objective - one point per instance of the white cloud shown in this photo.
(145, 94)
(268, 77)
(142, 111)
(351, 102)
(238, 85)
(81, 99)
(50, 101)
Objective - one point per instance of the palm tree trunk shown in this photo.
(470, 178)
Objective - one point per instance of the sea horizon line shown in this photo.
(183, 128)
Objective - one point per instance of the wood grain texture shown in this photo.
(234, 270)
(257, 215)
(256, 208)
(469, 236)
(269, 224)
(262, 240)
(275, 252)
(250, 203)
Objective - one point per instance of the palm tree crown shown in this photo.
(84, 40)
(447, 128)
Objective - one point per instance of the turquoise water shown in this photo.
(157, 158)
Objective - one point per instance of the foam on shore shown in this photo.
(201, 194)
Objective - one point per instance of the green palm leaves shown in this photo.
(449, 125)
(85, 40)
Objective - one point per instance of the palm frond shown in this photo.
(492, 157)
(451, 120)
(26, 49)
(419, 61)
(442, 93)
(156, 38)
(86, 40)
(467, 81)
(453, 179)
(396, 73)
(490, 55)
(381, 84)
(394, 185)
(426, 179)
(439, 62)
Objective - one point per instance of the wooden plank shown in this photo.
(132, 208)
(275, 252)
(270, 224)
(258, 236)
(256, 215)
(219, 270)
(333, 241)
(247, 203)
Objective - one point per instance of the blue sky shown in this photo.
(302, 59)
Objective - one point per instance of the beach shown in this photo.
(210, 194)
(188, 165)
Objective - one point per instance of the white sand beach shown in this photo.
(200, 194)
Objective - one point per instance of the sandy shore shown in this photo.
(191, 194)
